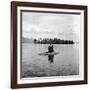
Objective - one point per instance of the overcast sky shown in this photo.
(49, 25)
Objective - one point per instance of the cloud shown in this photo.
(44, 25)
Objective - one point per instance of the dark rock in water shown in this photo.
(48, 53)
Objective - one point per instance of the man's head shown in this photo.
(50, 43)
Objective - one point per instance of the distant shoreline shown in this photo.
(47, 41)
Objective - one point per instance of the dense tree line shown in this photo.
(53, 41)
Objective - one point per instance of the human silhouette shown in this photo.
(50, 48)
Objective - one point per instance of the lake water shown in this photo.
(65, 63)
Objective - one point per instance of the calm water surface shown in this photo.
(65, 63)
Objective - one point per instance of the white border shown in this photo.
(51, 79)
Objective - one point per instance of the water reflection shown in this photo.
(51, 58)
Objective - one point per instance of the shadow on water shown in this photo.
(51, 58)
(49, 55)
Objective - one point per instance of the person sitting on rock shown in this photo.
(50, 48)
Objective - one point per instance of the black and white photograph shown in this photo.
(50, 43)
